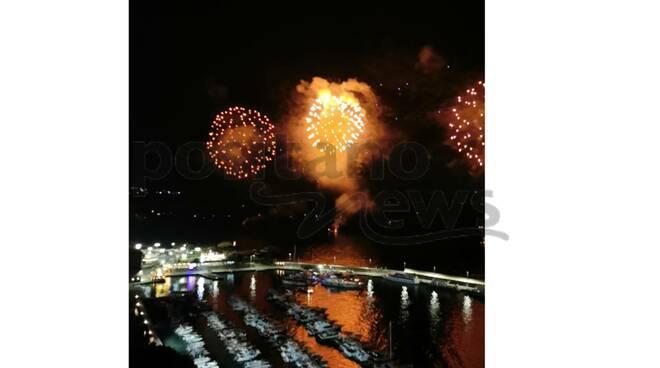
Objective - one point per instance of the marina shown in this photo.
(255, 319)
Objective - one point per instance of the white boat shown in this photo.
(246, 353)
(257, 364)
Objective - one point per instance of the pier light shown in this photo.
(138, 246)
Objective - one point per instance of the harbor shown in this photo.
(285, 315)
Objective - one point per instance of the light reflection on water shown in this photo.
(200, 288)
(343, 251)
(190, 283)
(370, 289)
(405, 303)
(467, 310)
(215, 289)
(434, 314)
(163, 289)
(253, 288)
(349, 308)
(428, 325)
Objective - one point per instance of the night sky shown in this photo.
(187, 64)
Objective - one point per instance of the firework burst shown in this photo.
(241, 142)
(334, 121)
(466, 126)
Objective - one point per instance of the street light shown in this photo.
(138, 246)
(404, 265)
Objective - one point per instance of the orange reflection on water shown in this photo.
(353, 310)
(334, 358)
(343, 252)
(163, 289)
(465, 335)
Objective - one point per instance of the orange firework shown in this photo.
(337, 121)
(466, 126)
(241, 142)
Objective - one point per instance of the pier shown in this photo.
(213, 270)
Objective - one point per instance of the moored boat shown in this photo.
(341, 283)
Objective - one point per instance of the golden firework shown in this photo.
(241, 142)
(334, 122)
(466, 125)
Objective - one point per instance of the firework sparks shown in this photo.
(241, 142)
(334, 121)
(466, 125)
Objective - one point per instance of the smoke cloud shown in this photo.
(429, 61)
(341, 172)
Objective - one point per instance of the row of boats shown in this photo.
(324, 331)
(235, 342)
(290, 351)
(195, 347)
(333, 280)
